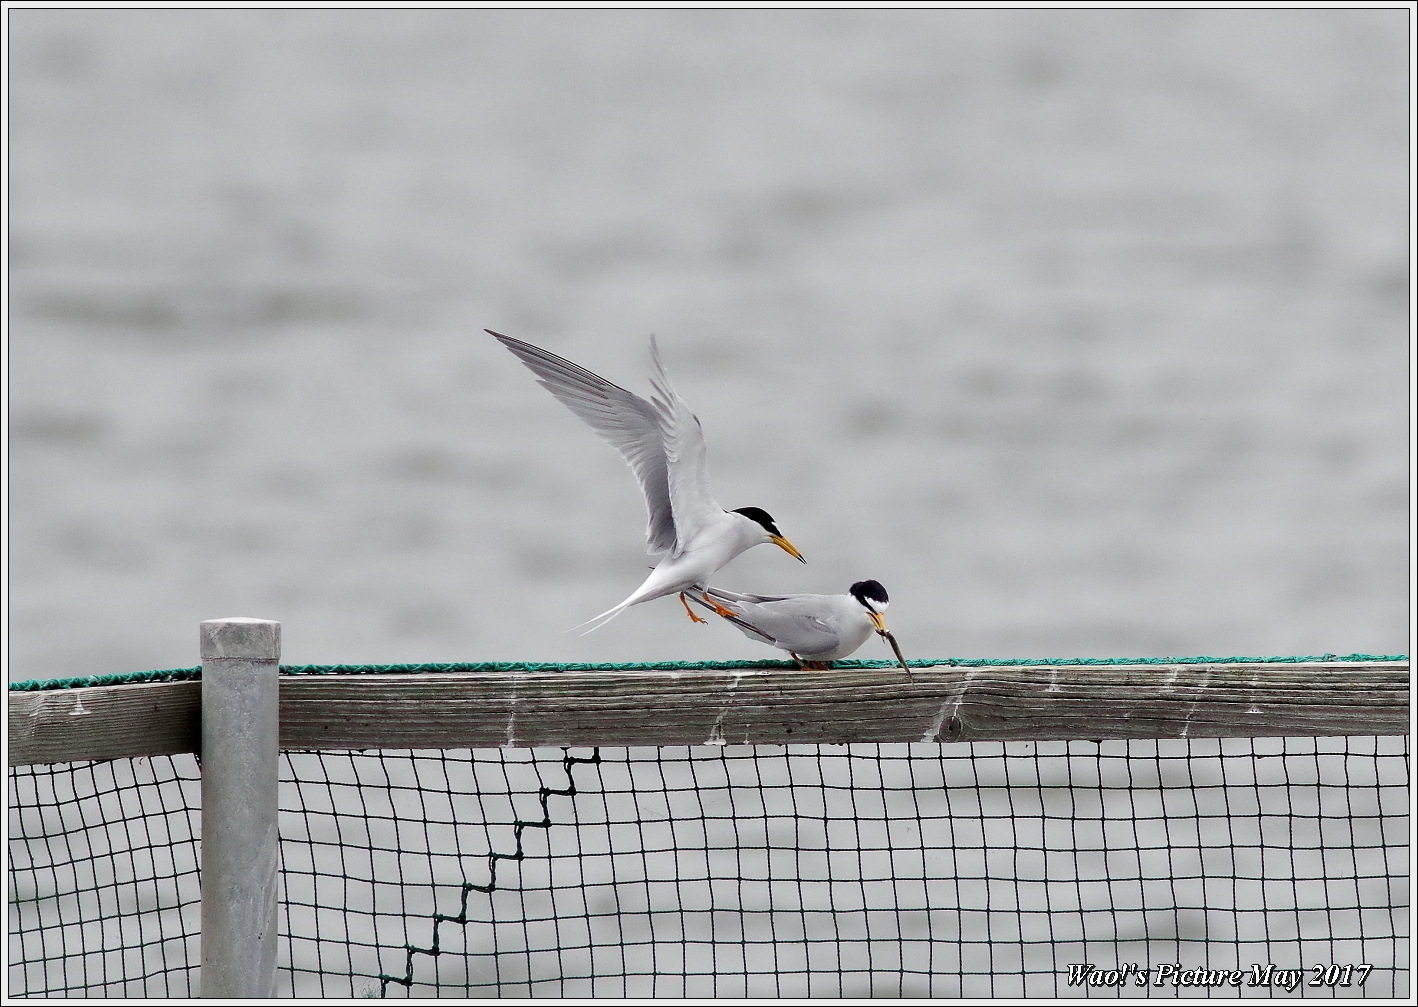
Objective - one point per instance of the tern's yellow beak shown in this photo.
(788, 548)
(879, 621)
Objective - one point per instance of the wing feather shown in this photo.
(791, 622)
(632, 425)
(744, 626)
(686, 455)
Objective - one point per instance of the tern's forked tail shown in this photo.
(659, 584)
(655, 586)
(593, 624)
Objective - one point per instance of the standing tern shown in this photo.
(813, 628)
(663, 443)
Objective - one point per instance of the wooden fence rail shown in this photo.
(745, 706)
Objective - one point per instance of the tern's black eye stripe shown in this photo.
(761, 516)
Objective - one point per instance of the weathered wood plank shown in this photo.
(104, 722)
(754, 706)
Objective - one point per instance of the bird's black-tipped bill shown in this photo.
(788, 548)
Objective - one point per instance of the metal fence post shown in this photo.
(240, 841)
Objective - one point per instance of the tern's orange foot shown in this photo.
(685, 602)
(727, 613)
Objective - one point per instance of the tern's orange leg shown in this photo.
(685, 602)
(727, 613)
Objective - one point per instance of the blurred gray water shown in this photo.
(1084, 331)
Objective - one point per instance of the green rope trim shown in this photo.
(120, 678)
(195, 674)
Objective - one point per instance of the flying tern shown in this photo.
(814, 628)
(663, 443)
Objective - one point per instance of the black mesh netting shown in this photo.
(985, 869)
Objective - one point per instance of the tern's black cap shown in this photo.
(760, 516)
(870, 593)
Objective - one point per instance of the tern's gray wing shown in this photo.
(801, 623)
(686, 457)
(730, 596)
(747, 627)
(630, 423)
(735, 604)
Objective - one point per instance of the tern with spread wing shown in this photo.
(813, 628)
(662, 442)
